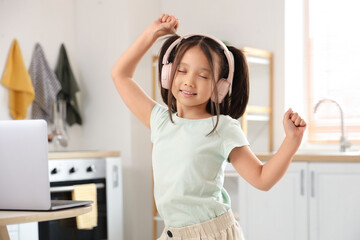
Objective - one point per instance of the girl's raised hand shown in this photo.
(294, 125)
(165, 24)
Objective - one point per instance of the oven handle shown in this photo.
(71, 188)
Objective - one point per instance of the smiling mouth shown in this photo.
(188, 93)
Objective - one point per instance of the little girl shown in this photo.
(206, 87)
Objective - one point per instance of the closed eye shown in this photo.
(204, 77)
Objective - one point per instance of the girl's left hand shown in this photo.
(294, 125)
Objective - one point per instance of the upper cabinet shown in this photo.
(257, 120)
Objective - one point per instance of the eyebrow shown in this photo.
(187, 65)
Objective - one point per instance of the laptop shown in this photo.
(24, 171)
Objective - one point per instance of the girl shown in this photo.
(206, 87)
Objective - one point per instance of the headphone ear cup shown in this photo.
(166, 75)
(223, 87)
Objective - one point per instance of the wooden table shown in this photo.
(16, 217)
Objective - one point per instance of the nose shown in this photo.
(189, 81)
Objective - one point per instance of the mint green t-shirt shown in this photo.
(188, 166)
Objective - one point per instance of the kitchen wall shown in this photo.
(96, 33)
(31, 22)
(103, 30)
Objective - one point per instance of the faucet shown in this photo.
(344, 143)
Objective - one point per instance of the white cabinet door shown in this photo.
(24, 231)
(280, 213)
(114, 200)
(28, 231)
(334, 201)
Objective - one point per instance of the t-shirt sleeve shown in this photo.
(158, 116)
(233, 136)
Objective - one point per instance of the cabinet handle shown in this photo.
(71, 188)
(115, 174)
(302, 188)
(312, 175)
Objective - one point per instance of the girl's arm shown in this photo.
(264, 176)
(123, 71)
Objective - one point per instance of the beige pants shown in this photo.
(224, 227)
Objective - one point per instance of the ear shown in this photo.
(165, 75)
(223, 87)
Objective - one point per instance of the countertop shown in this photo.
(316, 157)
(83, 154)
(321, 156)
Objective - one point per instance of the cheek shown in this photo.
(174, 86)
(209, 88)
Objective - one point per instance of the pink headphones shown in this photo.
(223, 85)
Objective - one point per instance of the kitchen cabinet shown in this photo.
(26, 231)
(272, 211)
(334, 197)
(314, 201)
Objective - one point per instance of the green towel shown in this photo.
(69, 87)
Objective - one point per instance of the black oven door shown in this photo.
(65, 229)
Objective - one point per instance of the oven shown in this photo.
(105, 173)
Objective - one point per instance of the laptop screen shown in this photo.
(24, 179)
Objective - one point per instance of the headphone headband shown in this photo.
(228, 54)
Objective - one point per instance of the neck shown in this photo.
(192, 113)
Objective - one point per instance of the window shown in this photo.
(333, 68)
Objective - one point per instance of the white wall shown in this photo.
(37, 21)
(96, 33)
(104, 30)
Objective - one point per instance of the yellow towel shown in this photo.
(86, 192)
(16, 78)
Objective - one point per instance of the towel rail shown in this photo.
(71, 188)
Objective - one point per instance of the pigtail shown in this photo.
(239, 98)
(165, 93)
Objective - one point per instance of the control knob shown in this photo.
(90, 168)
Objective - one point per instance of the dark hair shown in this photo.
(234, 104)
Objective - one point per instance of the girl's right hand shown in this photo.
(165, 24)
